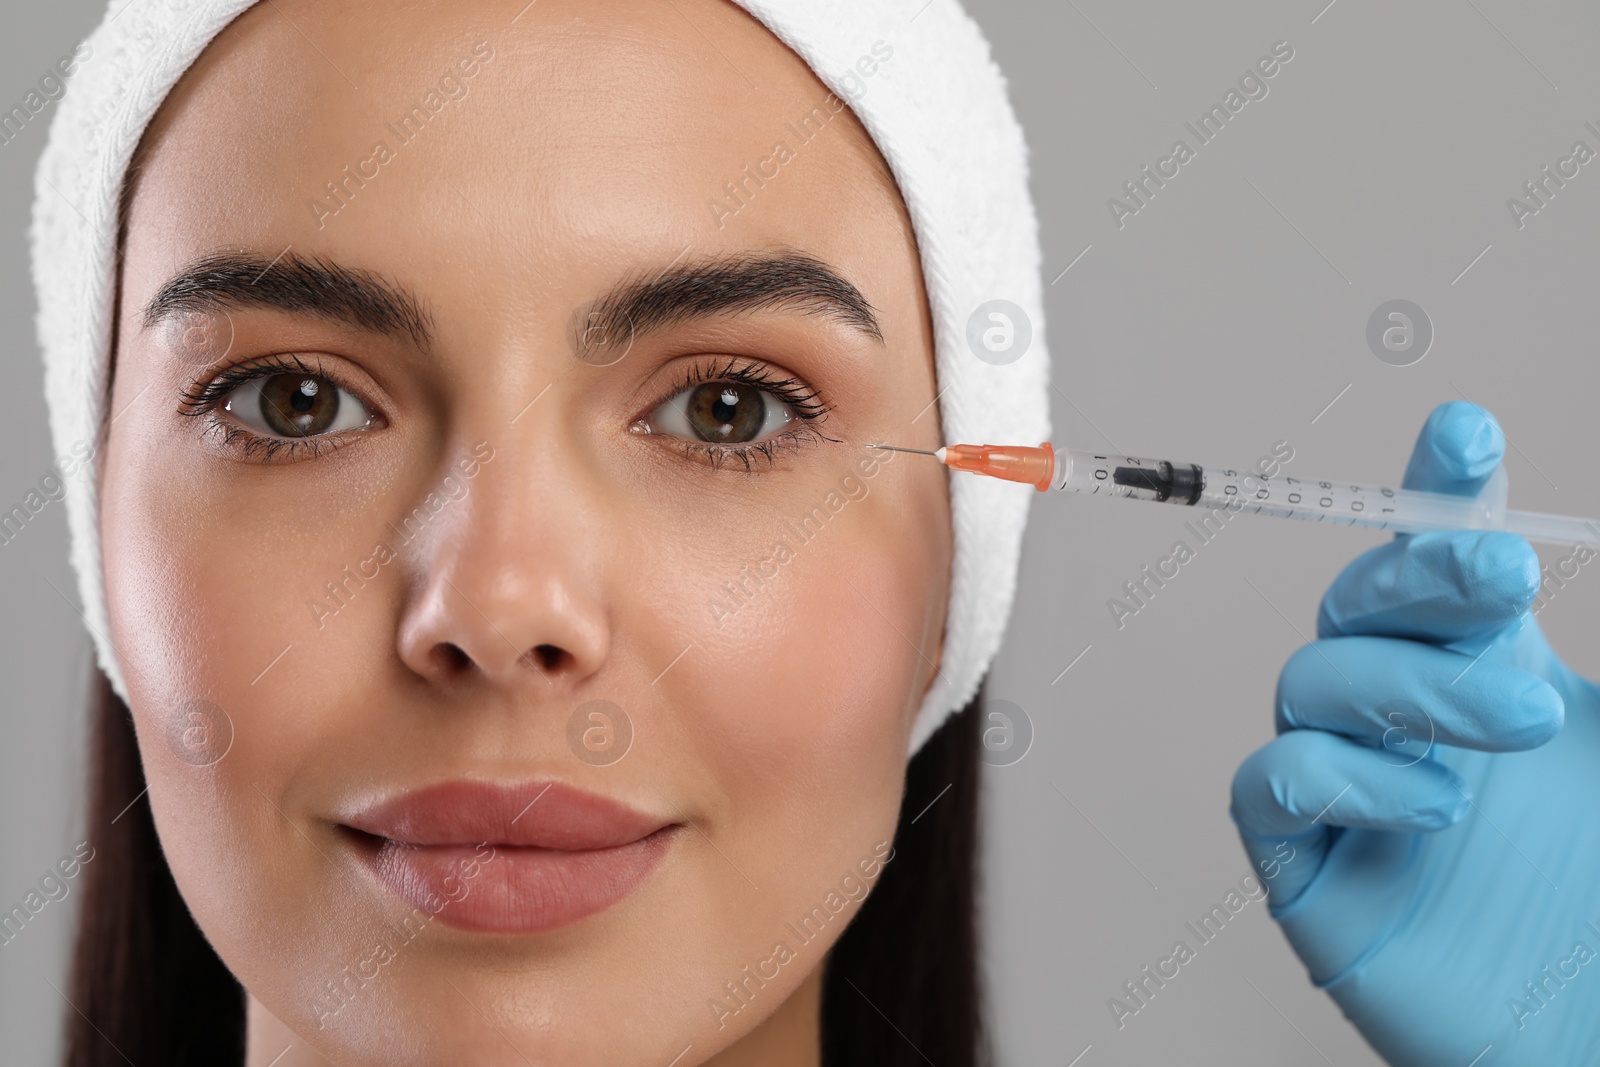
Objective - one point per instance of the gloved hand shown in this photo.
(1428, 818)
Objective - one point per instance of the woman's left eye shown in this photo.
(721, 413)
(295, 405)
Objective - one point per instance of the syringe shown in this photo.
(1252, 492)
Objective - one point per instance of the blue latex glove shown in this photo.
(1425, 820)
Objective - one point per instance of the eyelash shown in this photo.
(202, 397)
(807, 403)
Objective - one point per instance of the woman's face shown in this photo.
(522, 642)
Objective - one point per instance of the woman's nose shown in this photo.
(508, 583)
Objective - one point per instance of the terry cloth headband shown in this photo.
(922, 83)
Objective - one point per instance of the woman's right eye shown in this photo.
(295, 405)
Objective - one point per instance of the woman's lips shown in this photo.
(508, 858)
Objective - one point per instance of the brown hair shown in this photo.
(902, 986)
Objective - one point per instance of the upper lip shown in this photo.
(536, 814)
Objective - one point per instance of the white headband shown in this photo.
(937, 111)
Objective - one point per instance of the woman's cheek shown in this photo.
(817, 639)
(231, 687)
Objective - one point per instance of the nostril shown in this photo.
(451, 656)
(549, 656)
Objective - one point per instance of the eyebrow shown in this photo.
(296, 284)
(728, 284)
(312, 285)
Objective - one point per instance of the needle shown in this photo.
(893, 448)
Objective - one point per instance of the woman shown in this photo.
(490, 579)
(509, 647)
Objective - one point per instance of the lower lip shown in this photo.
(508, 889)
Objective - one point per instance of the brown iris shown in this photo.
(726, 412)
(298, 405)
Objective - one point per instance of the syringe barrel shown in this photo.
(1286, 496)
(1140, 478)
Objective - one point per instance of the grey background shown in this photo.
(1225, 316)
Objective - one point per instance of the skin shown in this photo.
(585, 153)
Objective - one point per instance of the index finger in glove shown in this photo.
(1456, 451)
(1442, 587)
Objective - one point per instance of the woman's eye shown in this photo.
(295, 405)
(724, 413)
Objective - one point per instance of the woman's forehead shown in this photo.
(606, 124)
